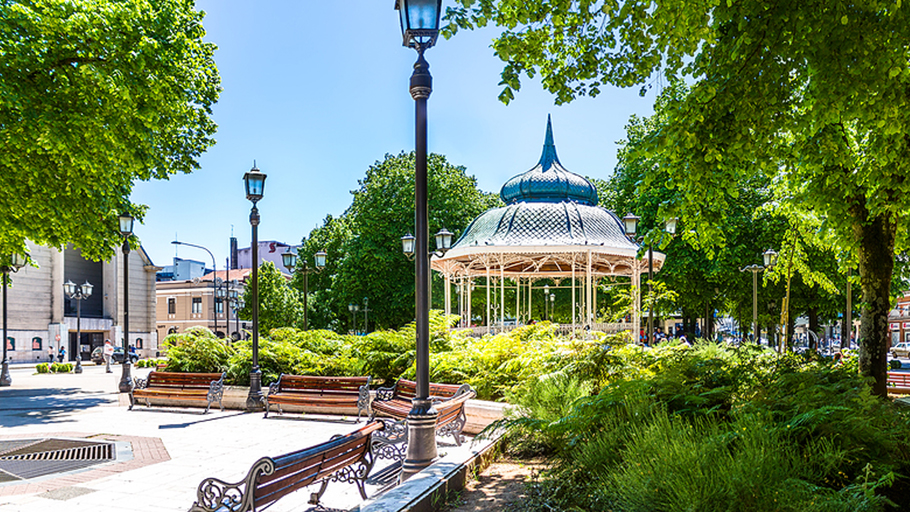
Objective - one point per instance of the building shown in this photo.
(268, 251)
(41, 316)
(182, 270)
(899, 320)
(192, 302)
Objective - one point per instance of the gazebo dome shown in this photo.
(547, 206)
(549, 181)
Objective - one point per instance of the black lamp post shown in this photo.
(214, 278)
(16, 262)
(78, 293)
(419, 29)
(254, 182)
(630, 221)
(769, 258)
(126, 229)
(289, 259)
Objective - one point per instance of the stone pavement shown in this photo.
(173, 449)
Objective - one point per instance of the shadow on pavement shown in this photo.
(187, 424)
(48, 405)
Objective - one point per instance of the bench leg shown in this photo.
(132, 401)
(207, 405)
(314, 497)
(266, 401)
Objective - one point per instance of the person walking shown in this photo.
(108, 352)
(61, 355)
(50, 353)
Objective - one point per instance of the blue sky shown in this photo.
(316, 92)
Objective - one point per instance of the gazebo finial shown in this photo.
(548, 157)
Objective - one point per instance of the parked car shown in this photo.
(98, 357)
(901, 350)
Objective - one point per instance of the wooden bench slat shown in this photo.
(318, 391)
(183, 386)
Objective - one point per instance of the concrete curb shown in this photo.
(428, 490)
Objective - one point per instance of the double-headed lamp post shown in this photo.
(14, 263)
(630, 222)
(126, 229)
(78, 293)
(254, 183)
(421, 450)
(769, 258)
(290, 261)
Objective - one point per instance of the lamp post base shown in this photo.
(78, 368)
(5, 378)
(126, 382)
(254, 399)
(421, 451)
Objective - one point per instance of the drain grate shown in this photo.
(21, 459)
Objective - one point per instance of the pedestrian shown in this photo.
(61, 354)
(50, 353)
(108, 352)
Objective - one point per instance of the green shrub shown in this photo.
(197, 350)
(41, 368)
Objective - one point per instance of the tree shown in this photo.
(368, 262)
(279, 304)
(95, 95)
(812, 95)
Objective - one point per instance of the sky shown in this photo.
(316, 92)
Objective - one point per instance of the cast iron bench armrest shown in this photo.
(318, 391)
(270, 478)
(177, 385)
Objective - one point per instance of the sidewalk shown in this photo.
(172, 450)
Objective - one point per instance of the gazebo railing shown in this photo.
(565, 329)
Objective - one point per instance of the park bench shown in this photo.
(180, 386)
(899, 383)
(271, 478)
(313, 391)
(448, 400)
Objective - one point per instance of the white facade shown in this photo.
(268, 251)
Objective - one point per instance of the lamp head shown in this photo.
(69, 288)
(289, 259)
(126, 224)
(320, 259)
(670, 226)
(443, 240)
(254, 182)
(770, 257)
(630, 223)
(87, 289)
(407, 244)
(419, 22)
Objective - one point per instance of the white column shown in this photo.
(447, 294)
(469, 283)
(588, 292)
(636, 312)
(574, 306)
(489, 324)
(517, 298)
(502, 297)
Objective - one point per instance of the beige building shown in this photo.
(185, 304)
(40, 316)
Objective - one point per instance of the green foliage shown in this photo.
(150, 363)
(41, 368)
(54, 368)
(197, 350)
(96, 95)
(716, 428)
(279, 304)
(364, 248)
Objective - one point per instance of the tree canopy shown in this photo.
(279, 304)
(811, 95)
(94, 95)
(366, 260)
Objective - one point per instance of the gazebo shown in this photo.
(550, 228)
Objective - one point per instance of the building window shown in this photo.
(172, 330)
(172, 306)
(138, 343)
(197, 305)
(36, 343)
(219, 306)
(10, 343)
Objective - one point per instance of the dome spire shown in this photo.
(548, 156)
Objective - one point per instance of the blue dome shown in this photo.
(549, 181)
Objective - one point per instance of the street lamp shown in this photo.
(254, 183)
(214, 277)
(552, 303)
(126, 229)
(289, 259)
(630, 222)
(78, 293)
(366, 314)
(16, 261)
(769, 258)
(419, 29)
(354, 308)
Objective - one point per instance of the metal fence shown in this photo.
(564, 329)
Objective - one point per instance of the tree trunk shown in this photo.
(876, 266)
(813, 326)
